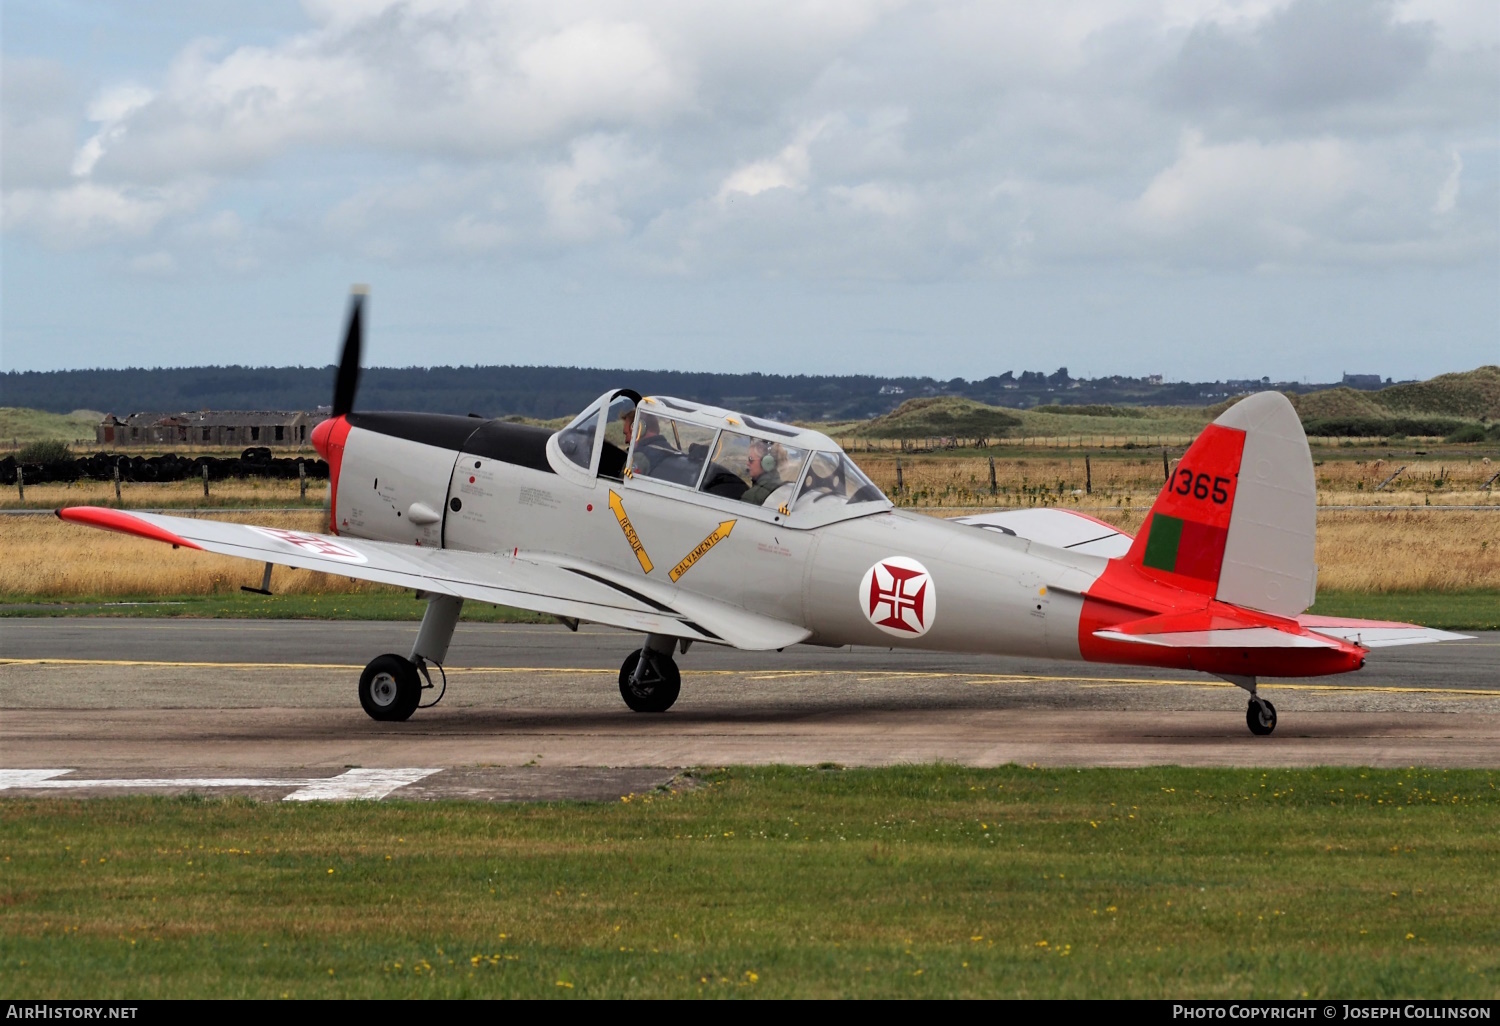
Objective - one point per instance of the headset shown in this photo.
(767, 457)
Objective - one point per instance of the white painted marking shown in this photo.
(358, 783)
(354, 783)
(28, 777)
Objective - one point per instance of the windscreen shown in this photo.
(577, 440)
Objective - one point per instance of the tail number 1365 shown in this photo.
(1201, 486)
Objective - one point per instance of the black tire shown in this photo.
(1260, 717)
(659, 686)
(390, 689)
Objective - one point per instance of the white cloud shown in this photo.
(786, 170)
(843, 138)
(87, 213)
(1447, 197)
(109, 111)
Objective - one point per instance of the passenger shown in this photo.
(765, 462)
(650, 447)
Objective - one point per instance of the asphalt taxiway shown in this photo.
(533, 711)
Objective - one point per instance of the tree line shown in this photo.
(549, 392)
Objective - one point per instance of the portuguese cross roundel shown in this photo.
(898, 596)
(317, 544)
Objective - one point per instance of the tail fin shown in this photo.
(1236, 520)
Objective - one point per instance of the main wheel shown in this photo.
(1260, 717)
(659, 684)
(390, 688)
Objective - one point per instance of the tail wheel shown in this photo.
(659, 684)
(1260, 717)
(390, 688)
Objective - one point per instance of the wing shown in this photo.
(544, 583)
(1060, 528)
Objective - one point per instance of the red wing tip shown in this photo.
(123, 522)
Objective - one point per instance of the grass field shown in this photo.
(1358, 551)
(777, 882)
(385, 604)
(19, 425)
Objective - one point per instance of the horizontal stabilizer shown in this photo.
(1224, 626)
(1217, 627)
(1378, 633)
(1233, 637)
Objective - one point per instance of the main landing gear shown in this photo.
(1260, 717)
(390, 688)
(649, 680)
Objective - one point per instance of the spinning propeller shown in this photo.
(347, 381)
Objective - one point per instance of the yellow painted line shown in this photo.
(867, 677)
(184, 665)
(700, 550)
(617, 507)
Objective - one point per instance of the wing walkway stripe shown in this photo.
(862, 677)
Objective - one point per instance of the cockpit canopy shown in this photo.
(672, 446)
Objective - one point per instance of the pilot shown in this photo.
(765, 462)
(650, 447)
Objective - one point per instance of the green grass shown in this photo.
(394, 605)
(19, 424)
(1466, 610)
(1445, 610)
(912, 881)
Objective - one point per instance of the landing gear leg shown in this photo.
(391, 687)
(649, 680)
(436, 632)
(1260, 717)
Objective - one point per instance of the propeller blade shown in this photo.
(347, 381)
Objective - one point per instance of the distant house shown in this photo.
(1362, 380)
(210, 428)
(892, 390)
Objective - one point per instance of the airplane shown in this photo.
(686, 523)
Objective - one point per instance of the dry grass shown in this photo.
(1397, 551)
(1362, 551)
(958, 482)
(44, 556)
(254, 491)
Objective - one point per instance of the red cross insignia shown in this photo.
(317, 544)
(898, 596)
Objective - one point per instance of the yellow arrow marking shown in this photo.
(718, 534)
(618, 508)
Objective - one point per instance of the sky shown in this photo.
(1203, 189)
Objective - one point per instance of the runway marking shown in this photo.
(862, 677)
(371, 784)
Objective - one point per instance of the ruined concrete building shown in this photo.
(210, 428)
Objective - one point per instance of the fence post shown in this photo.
(21, 481)
(898, 475)
(992, 475)
(205, 480)
(1088, 477)
(302, 477)
(117, 483)
(1166, 471)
